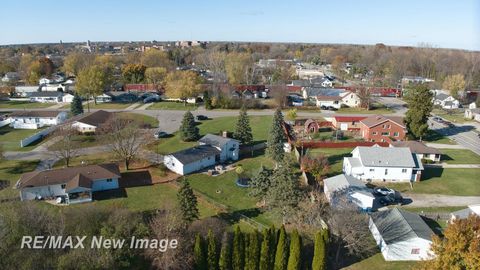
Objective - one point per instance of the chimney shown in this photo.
(225, 134)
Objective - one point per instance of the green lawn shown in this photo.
(375, 109)
(10, 172)
(259, 124)
(23, 105)
(10, 138)
(109, 105)
(141, 119)
(81, 141)
(454, 116)
(435, 137)
(459, 156)
(171, 105)
(335, 157)
(377, 262)
(461, 182)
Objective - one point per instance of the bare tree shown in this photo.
(123, 138)
(365, 96)
(66, 147)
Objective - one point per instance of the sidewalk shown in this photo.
(144, 106)
(132, 107)
(445, 146)
(453, 166)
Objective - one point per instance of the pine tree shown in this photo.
(225, 261)
(212, 261)
(419, 100)
(295, 257)
(243, 131)
(76, 106)
(284, 192)
(238, 256)
(188, 130)
(265, 252)
(273, 245)
(281, 254)
(252, 257)
(320, 250)
(207, 100)
(276, 137)
(187, 202)
(260, 183)
(199, 253)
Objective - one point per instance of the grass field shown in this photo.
(259, 124)
(335, 158)
(10, 138)
(461, 182)
(376, 109)
(454, 116)
(23, 105)
(377, 262)
(110, 105)
(169, 105)
(435, 137)
(459, 156)
(141, 119)
(10, 172)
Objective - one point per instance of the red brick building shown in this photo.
(350, 123)
(378, 128)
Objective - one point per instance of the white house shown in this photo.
(401, 235)
(74, 184)
(383, 164)
(328, 101)
(355, 190)
(46, 97)
(331, 97)
(212, 149)
(10, 77)
(472, 112)
(89, 122)
(67, 98)
(446, 101)
(103, 98)
(36, 119)
(25, 91)
(465, 213)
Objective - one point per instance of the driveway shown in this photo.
(396, 104)
(436, 200)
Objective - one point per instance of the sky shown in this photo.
(440, 23)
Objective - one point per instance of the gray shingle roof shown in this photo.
(321, 91)
(416, 147)
(342, 181)
(214, 140)
(46, 94)
(386, 156)
(441, 96)
(196, 153)
(397, 225)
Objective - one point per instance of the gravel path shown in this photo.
(436, 200)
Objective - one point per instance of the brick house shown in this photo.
(350, 123)
(379, 128)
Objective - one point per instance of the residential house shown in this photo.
(10, 77)
(321, 82)
(377, 163)
(89, 122)
(36, 119)
(103, 98)
(212, 149)
(420, 149)
(252, 91)
(46, 97)
(74, 184)
(328, 101)
(331, 97)
(401, 235)
(346, 185)
(347, 123)
(378, 128)
(446, 101)
(67, 98)
(465, 213)
(142, 88)
(25, 91)
(415, 79)
(472, 112)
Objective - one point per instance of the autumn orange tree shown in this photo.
(183, 84)
(459, 248)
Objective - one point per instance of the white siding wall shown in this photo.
(387, 173)
(328, 103)
(351, 100)
(81, 127)
(45, 191)
(173, 164)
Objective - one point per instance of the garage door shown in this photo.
(343, 126)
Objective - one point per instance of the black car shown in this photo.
(201, 117)
(331, 108)
(389, 199)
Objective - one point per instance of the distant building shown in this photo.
(10, 77)
(446, 101)
(36, 119)
(46, 97)
(379, 128)
(465, 213)
(89, 122)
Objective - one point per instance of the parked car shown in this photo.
(201, 117)
(331, 108)
(437, 119)
(383, 191)
(160, 134)
(394, 198)
(152, 98)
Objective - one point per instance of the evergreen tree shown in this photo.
(207, 100)
(252, 257)
(265, 252)
(281, 254)
(212, 261)
(273, 245)
(238, 256)
(295, 257)
(188, 130)
(225, 261)
(260, 183)
(76, 106)
(199, 253)
(284, 192)
(187, 202)
(276, 137)
(243, 131)
(419, 100)
(320, 250)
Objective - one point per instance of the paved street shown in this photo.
(464, 135)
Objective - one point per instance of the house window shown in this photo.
(385, 133)
(396, 134)
(374, 133)
(63, 186)
(383, 126)
(404, 170)
(386, 171)
(415, 251)
(109, 180)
